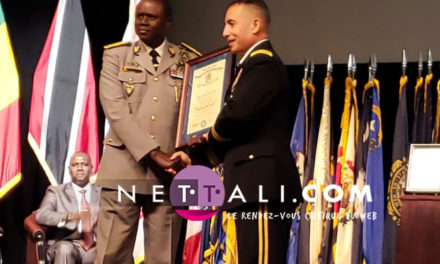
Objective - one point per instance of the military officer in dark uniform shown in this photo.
(140, 92)
(251, 136)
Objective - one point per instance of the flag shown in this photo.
(63, 116)
(138, 251)
(398, 174)
(298, 148)
(436, 138)
(212, 252)
(321, 175)
(373, 227)
(427, 110)
(326, 254)
(345, 173)
(217, 240)
(10, 151)
(360, 172)
(423, 116)
(292, 248)
(191, 249)
(129, 35)
(418, 112)
(229, 243)
(198, 235)
(306, 207)
(298, 141)
(205, 239)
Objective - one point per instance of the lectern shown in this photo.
(418, 238)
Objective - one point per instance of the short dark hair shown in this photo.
(260, 4)
(167, 8)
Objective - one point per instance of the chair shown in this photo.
(36, 241)
(1, 236)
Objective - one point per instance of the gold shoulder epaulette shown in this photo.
(117, 44)
(189, 48)
(262, 51)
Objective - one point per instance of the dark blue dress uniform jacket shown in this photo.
(252, 132)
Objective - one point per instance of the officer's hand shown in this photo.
(185, 161)
(163, 159)
(197, 141)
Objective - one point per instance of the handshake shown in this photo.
(172, 163)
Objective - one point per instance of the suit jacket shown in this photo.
(57, 203)
(141, 105)
(252, 132)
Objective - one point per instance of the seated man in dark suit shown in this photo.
(70, 210)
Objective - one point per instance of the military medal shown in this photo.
(176, 72)
(128, 68)
(129, 88)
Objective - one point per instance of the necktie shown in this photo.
(154, 55)
(86, 222)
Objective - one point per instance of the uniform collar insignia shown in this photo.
(172, 51)
(136, 49)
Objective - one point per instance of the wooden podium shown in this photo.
(418, 239)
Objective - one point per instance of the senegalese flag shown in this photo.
(345, 173)
(398, 174)
(10, 151)
(373, 227)
(63, 115)
(321, 175)
(306, 207)
(298, 148)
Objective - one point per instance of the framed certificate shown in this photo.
(424, 169)
(204, 88)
